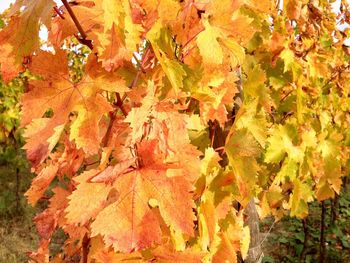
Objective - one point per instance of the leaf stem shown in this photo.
(58, 12)
(83, 40)
(120, 105)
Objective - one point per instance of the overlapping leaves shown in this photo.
(263, 94)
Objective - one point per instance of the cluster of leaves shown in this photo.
(11, 155)
(14, 169)
(10, 134)
(146, 152)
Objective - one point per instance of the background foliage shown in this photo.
(184, 108)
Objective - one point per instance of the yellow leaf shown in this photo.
(209, 46)
(302, 194)
(113, 13)
(235, 49)
(168, 10)
(245, 242)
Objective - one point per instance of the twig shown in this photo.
(109, 130)
(85, 247)
(120, 105)
(83, 40)
(193, 37)
(286, 95)
(58, 12)
(268, 232)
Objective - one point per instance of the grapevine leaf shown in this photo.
(138, 226)
(82, 205)
(21, 37)
(40, 183)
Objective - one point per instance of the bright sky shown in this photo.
(5, 4)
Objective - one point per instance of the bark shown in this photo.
(255, 253)
(306, 239)
(334, 209)
(322, 235)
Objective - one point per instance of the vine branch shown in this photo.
(83, 40)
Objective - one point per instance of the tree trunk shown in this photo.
(306, 239)
(334, 209)
(322, 235)
(255, 253)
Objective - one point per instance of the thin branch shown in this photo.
(137, 60)
(109, 130)
(139, 71)
(83, 40)
(267, 233)
(193, 37)
(120, 105)
(58, 12)
(286, 95)
(85, 249)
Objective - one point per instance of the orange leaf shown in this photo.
(137, 226)
(40, 183)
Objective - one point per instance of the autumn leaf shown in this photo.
(114, 53)
(138, 227)
(149, 119)
(21, 37)
(211, 54)
(40, 183)
(82, 205)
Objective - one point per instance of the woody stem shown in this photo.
(83, 39)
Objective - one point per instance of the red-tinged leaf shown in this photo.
(114, 53)
(166, 253)
(40, 183)
(109, 81)
(88, 17)
(72, 159)
(8, 66)
(21, 37)
(56, 92)
(188, 25)
(293, 8)
(138, 226)
(112, 172)
(46, 223)
(49, 130)
(111, 257)
(83, 205)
